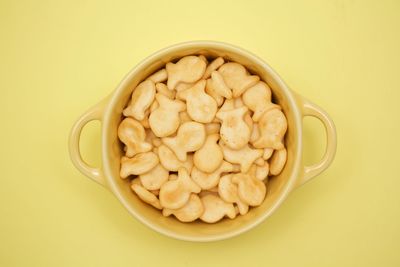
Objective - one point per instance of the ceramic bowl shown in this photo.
(294, 174)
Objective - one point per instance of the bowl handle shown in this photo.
(94, 113)
(310, 109)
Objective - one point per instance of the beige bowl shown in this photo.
(294, 174)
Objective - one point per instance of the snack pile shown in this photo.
(201, 139)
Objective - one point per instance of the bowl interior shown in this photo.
(278, 187)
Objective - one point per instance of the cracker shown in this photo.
(139, 164)
(174, 194)
(188, 69)
(200, 106)
(234, 131)
(190, 137)
(133, 135)
(165, 120)
(209, 157)
(155, 178)
(209, 180)
(215, 209)
(191, 211)
(250, 190)
(236, 77)
(272, 127)
(228, 191)
(278, 161)
(142, 97)
(146, 196)
(244, 156)
(258, 99)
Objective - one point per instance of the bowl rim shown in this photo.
(202, 44)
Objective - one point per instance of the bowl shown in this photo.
(294, 174)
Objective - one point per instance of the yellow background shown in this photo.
(57, 58)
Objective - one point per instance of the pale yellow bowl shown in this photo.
(294, 174)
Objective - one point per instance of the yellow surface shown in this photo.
(59, 58)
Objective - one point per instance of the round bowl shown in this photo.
(294, 174)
